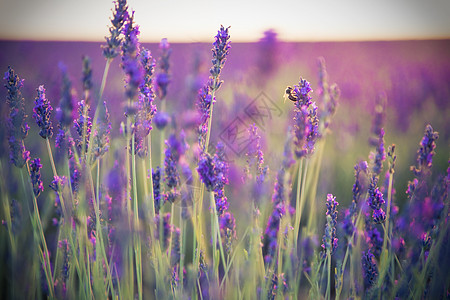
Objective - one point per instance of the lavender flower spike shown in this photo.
(163, 78)
(35, 174)
(375, 201)
(370, 269)
(220, 51)
(16, 125)
(426, 151)
(102, 132)
(302, 92)
(130, 63)
(329, 240)
(42, 110)
(113, 41)
(79, 123)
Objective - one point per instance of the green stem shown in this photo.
(45, 258)
(298, 205)
(328, 295)
(137, 241)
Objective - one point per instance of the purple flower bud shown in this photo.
(161, 120)
(375, 201)
(42, 110)
(35, 174)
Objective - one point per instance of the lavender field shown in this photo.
(266, 170)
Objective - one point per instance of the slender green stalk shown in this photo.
(298, 205)
(384, 252)
(328, 293)
(137, 241)
(45, 255)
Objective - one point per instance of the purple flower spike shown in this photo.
(358, 189)
(220, 51)
(302, 93)
(172, 178)
(130, 62)
(166, 230)
(16, 125)
(375, 201)
(42, 110)
(83, 120)
(370, 269)
(270, 242)
(86, 77)
(329, 240)
(156, 177)
(147, 109)
(102, 132)
(205, 170)
(113, 41)
(227, 231)
(300, 129)
(163, 78)
(64, 111)
(64, 143)
(426, 152)
(35, 174)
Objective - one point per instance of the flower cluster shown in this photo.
(426, 151)
(306, 120)
(156, 178)
(83, 125)
(130, 62)
(370, 269)
(206, 94)
(375, 201)
(102, 131)
(17, 127)
(42, 110)
(35, 174)
(146, 94)
(172, 176)
(329, 240)
(163, 78)
(357, 191)
(86, 77)
(113, 41)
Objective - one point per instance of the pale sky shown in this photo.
(198, 20)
